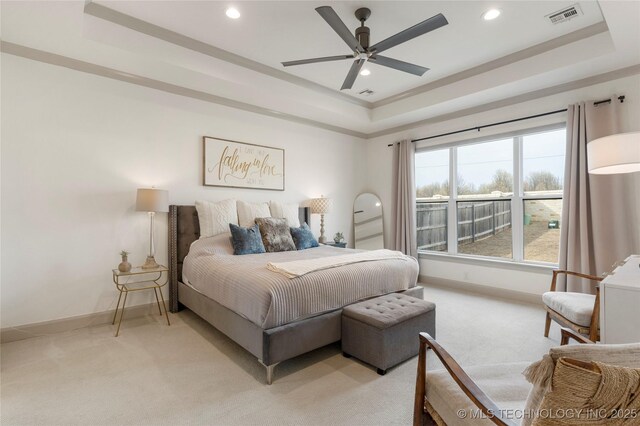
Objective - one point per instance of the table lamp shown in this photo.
(152, 201)
(320, 206)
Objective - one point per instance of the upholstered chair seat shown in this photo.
(576, 307)
(578, 311)
(503, 383)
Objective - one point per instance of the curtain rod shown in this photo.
(620, 98)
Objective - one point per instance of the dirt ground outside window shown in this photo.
(541, 244)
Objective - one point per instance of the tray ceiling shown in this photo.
(271, 32)
(192, 49)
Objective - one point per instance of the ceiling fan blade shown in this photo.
(332, 18)
(398, 65)
(423, 27)
(353, 73)
(314, 60)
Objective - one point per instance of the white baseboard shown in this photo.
(519, 296)
(45, 328)
(12, 334)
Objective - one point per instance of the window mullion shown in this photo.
(452, 218)
(517, 204)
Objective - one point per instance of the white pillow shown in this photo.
(247, 212)
(287, 211)
(215, 217)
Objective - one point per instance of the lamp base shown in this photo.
(322, 239)
(150, 263)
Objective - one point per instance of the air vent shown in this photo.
(565, 14)
(366, 92)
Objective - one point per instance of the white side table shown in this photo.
(156, 279)
(620, 303)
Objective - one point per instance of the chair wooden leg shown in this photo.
(427, 420)
(547, 325)
(419, 418)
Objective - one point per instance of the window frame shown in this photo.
(517, 199)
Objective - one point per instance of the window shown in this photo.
(543, 174)
(485, 169)
(432, 177)
(505, 200)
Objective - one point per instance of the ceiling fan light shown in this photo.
(233, 13)
(491, 14)
(365, 72)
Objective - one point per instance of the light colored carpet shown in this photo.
(189, 373)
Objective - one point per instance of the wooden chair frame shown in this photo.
(421, 417)
(593, 331)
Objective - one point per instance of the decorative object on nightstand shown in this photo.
(124, 266)
(334, 244)
(152, 201)
(338, 237)
(121, 280)
(321, 206)
(614, 154)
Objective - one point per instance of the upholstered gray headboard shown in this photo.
(184, 229)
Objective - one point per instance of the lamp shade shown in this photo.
(614, 154)
(152, 200)
(320, 205)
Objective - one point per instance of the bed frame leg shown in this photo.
(270, 369)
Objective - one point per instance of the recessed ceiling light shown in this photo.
(491, 14)
(365, 72)
(233, 13)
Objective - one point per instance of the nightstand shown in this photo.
(340, 245)
(149, 279)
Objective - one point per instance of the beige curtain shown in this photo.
(404, 198)
(600, 212)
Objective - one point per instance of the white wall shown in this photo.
(379, 170)
(74, 149)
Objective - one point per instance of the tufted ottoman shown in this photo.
(384, 331)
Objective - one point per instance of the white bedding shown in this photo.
(269, 299)
(298, 268)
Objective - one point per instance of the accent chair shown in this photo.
(578, 311)
(501, 394)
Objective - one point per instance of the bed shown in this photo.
(271, 316)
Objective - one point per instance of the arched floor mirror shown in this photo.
(367, 222)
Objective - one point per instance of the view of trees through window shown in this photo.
(485, 181)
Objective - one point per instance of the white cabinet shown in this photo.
(620, 303)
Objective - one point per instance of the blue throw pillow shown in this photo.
(246, 240)
(303, 237)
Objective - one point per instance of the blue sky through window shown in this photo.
(477, 163)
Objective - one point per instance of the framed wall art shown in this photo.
(242, 165)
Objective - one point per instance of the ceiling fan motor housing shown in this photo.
(362, 35)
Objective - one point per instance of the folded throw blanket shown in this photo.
(298, 268)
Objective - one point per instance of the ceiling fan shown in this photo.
(359, 44)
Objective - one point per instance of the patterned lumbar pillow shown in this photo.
(215, 217)
(592, 393)
(246, 240)
(275, 234)
(303, 237)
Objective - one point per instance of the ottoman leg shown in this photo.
(381, 372)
